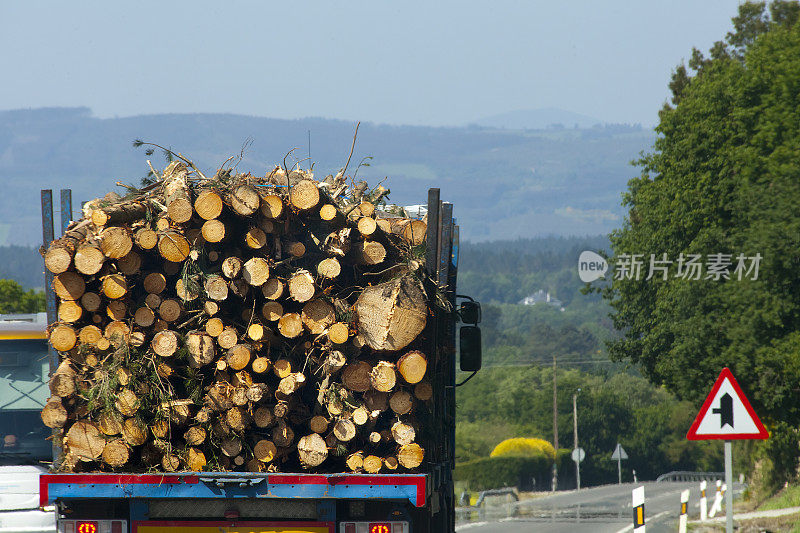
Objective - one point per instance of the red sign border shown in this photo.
(762, 431)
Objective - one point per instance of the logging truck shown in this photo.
(173, 496)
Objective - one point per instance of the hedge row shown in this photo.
(525, 473)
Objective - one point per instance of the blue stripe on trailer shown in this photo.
(411, 487)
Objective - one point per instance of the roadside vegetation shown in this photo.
(723, 178)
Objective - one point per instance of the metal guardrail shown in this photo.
(481, 511)
(690, 476)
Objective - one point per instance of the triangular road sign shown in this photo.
(726, 414)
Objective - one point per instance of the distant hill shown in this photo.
(505, 184)
(538, 119)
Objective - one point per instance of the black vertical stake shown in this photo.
(48, 236)
(66, 209)
(447, 336)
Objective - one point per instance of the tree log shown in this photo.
(304, 195)
(401, 402)
(301, 286)
(201, 349)
(208, 204)
(369, 253)
(383, 376)
(356, 376)
(290, 325)
(213, 231)
(227, 338)
(216, 288)
(116, 453)
(89, 259)
(174, 247)
(146, 238)
(244, 200)
(115, 242)
(69, 286)
(238, 356)
(272, 289)
(255, 271)
(412, 366)
(115, 286)
(372, 464)
(312, 450)
(271, 206)
(165, 343)
(391, 315)
(317, 315)
(265, 451)
(85, 441)
(54, 415)
(411, 455)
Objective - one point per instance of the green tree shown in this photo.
(724, 178)
(15, 299)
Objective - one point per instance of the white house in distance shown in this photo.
(542, 297)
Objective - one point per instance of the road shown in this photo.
(604, 509)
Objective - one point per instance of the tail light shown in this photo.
(92, 526)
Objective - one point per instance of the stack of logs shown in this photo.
(240, 323)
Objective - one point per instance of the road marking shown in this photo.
(471, 524)
(630, 527)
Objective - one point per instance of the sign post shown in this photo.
(727, 415)
(619, 454)
(578, 455)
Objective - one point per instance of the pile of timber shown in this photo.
(240, 323)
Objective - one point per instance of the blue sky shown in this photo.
(429, 63)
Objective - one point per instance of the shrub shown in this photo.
(524, 447)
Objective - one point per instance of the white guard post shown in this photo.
(717, 505)
(703, 501)
(637, 499)
(684, 511)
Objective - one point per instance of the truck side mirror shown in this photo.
(470, 343)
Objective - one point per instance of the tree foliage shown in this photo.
(15, 299)
(724, 177)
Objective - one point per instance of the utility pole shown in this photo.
(575, 436)
(555, 426)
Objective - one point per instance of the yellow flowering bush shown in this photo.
(523, 447)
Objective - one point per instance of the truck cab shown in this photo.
(24, 441)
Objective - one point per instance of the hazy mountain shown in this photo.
(538, 119)
(505, 184)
